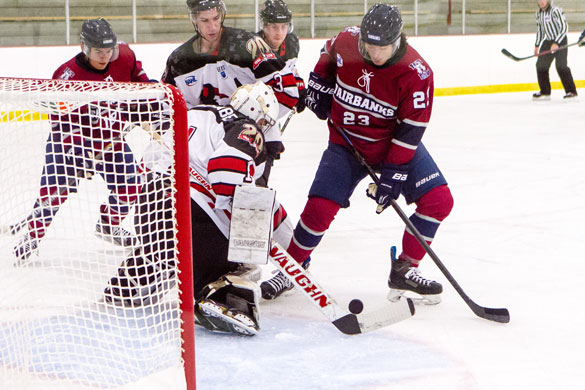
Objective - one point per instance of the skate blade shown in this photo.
(394, 295)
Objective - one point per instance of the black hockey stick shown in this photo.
(497, 315)
(351, 323)
(512, 56)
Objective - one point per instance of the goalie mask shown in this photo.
(380, 30)
(98, 34)
(258, 102)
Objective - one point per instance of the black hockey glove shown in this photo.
(300, 106)
(319, 95)
(582, 39)
(391, 181)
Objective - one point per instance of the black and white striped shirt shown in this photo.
(551, 25)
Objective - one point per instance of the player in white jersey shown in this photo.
(209, 67)
(226, 150)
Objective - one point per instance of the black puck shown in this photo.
(356, 306)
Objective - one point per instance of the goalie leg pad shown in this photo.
(251, 225)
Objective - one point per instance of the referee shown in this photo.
(551, 33)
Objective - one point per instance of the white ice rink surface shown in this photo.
(514, 239)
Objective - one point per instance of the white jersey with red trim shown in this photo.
(226, 150)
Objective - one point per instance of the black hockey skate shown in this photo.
(406, 281)
(278, 284)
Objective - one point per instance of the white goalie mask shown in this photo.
(258, 102)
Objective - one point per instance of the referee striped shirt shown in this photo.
(551, 25)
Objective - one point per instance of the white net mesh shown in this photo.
(89, 294)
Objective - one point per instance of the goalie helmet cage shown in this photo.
(58, 329)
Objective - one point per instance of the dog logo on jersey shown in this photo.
(190, 80)
(423, 71)
(252, 136)
(364, 80)
(67, 74)
(339, 61)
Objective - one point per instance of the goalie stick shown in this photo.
(512, 56)
(498, 315)
(348, 323)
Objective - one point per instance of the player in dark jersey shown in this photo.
(102, 58)
(278, 32)
(373, 84)
(226, 150)
(209, 67)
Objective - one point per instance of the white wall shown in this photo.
(458, 61)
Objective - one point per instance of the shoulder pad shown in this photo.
(243, 135)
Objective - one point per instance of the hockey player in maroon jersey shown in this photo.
(100, 59)
(226, 150)
(370, 82)
(209, 67)
(85, 131)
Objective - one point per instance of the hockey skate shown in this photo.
(278, 284)
(571, 97)
(26, 247)
(406, 281)
(115, 234)
(540, 97)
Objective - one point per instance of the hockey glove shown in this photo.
(582, 39)
(300, 106)
(319, 95)
(391, 181)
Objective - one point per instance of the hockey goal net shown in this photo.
(74, 207)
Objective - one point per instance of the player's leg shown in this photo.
(336, 178)
(63, 166)
(428, 189)
(123, 181)
(144, 275)
(226, 293)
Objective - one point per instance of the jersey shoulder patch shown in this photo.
(243, 135)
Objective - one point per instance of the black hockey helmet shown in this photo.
(275, 11)
(98, 33)
(196, 6)
(381, 25)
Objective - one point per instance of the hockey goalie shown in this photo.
(226, 151)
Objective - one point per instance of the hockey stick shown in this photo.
(497, 315)
(288, 117)
(510, 55)
(352, 323)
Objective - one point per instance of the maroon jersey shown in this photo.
(385, 110)
(124, 68)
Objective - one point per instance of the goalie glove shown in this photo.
(319, 95)
(391, 181)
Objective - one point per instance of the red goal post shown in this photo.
(71, 156)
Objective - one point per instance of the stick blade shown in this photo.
(510, 55)
(497, 315)
(388, 314)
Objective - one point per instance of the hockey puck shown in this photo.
(356, 306)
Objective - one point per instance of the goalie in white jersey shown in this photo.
(226, 150)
